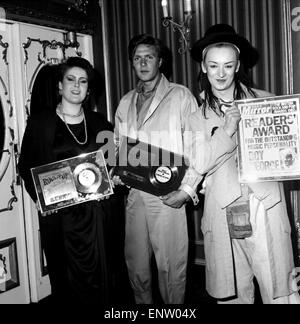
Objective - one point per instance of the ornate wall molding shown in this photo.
(12, 200)
(55, 14)
(42, 60)
(5, 156)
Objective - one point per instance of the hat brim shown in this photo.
(248, 54)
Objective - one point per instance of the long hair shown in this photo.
(211, 101)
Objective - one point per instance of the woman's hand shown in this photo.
(232, 118)
(116, 181)
(103, 198)
(50, 212)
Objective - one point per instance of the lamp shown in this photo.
(70, 40)
(183, 28)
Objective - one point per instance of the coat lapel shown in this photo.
(160, 93)
(132, 117)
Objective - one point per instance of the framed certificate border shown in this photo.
(71, 181)
(269, 139)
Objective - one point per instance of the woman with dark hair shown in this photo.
(73, 238)
(245, 226)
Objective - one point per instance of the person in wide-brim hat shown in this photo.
(223, 33)
(244, 223)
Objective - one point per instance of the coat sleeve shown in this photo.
(191, 178)
(29, 156)
(120, 121)
(206, 152)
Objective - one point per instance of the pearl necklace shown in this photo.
(73, 135)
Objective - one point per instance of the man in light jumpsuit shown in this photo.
(155, 112)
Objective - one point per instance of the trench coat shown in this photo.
(213, 153)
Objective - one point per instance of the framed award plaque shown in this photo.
(71, 181)
(149, 168)
(269, 139)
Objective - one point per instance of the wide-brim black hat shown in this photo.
(223, 33)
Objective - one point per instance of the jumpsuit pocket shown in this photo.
(238, 220)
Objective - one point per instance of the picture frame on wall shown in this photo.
(9, 270)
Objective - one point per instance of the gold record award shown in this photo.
(149, 168)
(87, 177)
(71, 181)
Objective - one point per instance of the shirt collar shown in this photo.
(140, 87)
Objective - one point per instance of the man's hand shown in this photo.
(175, 199)
(232, 118)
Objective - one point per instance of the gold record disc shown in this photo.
(163, 176)
(87, 177)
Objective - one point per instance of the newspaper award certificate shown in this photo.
(269, 139)
(71, 181)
